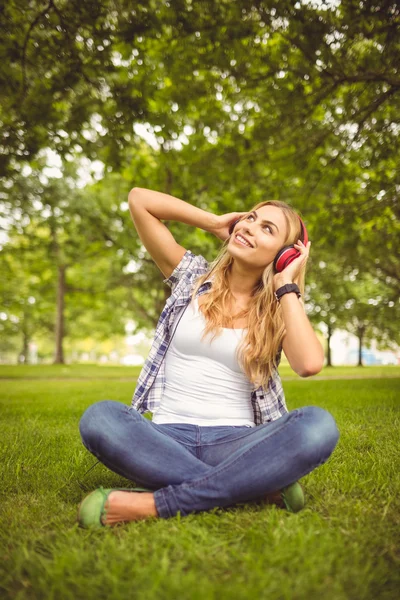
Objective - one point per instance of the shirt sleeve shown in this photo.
(190, 265)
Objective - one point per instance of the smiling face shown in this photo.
(265, 230)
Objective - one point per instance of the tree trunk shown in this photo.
(360, 335)
(23, 357)
(59, 329)
(328, 350)
(25, 348)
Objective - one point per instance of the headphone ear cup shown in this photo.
(284, 257)
(232, 226)
(288, 253)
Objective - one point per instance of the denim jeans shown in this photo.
(195, 468)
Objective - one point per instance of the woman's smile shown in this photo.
(239, 239)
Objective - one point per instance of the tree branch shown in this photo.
(24, 47)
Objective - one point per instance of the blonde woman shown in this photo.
(220, 433)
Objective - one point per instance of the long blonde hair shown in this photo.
(259, 349)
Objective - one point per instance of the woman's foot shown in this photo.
(128, 506)
(274, 498)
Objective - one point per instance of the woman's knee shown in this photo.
(94, 420)
(321, 433)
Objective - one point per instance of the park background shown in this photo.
(222, 104)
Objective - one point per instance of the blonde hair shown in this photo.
(259, 349)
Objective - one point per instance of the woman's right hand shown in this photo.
(223, 222)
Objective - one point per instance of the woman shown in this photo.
(221, 433)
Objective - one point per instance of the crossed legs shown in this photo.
(240, 467)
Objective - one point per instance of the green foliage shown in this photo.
(312, 69)
(297, 101)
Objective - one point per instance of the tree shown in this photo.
(61, 245)
(327, 293)
(26, 290)
(370, 316)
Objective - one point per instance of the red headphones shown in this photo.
(288, 253)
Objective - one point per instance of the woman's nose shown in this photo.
(247, 230)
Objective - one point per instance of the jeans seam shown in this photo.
(198, 438)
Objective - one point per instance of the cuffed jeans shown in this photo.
(195, 468)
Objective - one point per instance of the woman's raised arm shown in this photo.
(147, 208)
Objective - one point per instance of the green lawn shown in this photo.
(79, 371)
(344, 544)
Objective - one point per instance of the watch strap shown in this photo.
(287, 289)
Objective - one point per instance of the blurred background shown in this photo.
(222, 104)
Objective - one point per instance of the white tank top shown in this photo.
(204, 384)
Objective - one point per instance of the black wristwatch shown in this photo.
(286, 289)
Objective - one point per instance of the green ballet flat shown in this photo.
(92, 508)
(290, 498)
(293, 497)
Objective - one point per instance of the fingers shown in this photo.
(301, 245)
(302, 248)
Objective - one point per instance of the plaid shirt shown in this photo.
(268, 402)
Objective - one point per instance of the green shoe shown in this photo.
(293, 497)
(92, 508)
(290, 498)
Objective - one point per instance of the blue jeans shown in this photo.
(195, 468)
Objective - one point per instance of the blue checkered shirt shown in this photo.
(268, 402)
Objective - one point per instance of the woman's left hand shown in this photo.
(292, 271)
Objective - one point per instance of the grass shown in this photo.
(97, 372)
(343, 545)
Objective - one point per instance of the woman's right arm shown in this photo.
(169, 208)
(147, 208)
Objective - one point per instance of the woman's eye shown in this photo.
(252, 217)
